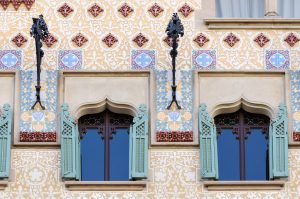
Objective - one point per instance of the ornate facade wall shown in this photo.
(112, 35)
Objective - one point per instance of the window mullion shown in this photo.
(106, 146)
(242, 146)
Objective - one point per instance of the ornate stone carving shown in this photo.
(201, 39)
(231, 39)
(49, 40)
(291, 39)
(95, 10)
(19, 40)
(65, 10)
(261, 40)
(110, 40)
(140, 40)
(186, 10)
(125, 10)
(79, 40)
(155, 10)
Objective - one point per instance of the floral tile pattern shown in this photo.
(204, 59)
(277, 59)
(174, 120)
(10, 59)
(69, 60)
(295, 97)
(38, 120)
(143, 59)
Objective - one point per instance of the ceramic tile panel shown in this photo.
(69, 59)
(35, 124)
(143, 59)
(277, 60)
(10, 59)
(204, 59)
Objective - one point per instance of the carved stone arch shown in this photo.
(251, 107)
(106, 103)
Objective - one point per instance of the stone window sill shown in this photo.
(106, 186)
(3, 185)
(252, 23)
(243, 185)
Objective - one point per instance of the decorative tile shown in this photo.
(261, 40)
(231, 39)
(174, 120)
(125, 10)
(174, 136)
(186, 10)
(140, 40)
(38, 120)
(79, 40)
(4, 3)
(155, 10)
(201, 39)
(110, 40)
(277, 60)
(168, 41)
(69, 60)
(295, 102)
(143, 59)
(291, 39)
(204, 59)
(28, 3)
(95, 10)
(19, 40)
(65, 10)
(10, 59)
(37, 136)
(296, 136)
(49, 40)
(16, 3)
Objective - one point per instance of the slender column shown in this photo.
(271, 7)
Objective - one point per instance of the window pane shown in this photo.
(228, 156)
(256, 155)
(92, 156)
(240, 8)
(289, 8)
(119, 156)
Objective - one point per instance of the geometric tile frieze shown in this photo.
(204, 59)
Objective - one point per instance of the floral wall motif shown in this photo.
(174, 173)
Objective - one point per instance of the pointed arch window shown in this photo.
(242, 140)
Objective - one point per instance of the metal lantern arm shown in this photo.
(39, 31)
(174, 30)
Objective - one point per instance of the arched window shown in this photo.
(104, 146)
(243, 146)
(242, 140)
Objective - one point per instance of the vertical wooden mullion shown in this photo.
(242, 146)
(106, 147)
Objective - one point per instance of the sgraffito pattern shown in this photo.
(173, 173)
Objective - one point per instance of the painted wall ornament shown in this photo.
(291, 39)
(231, 39)
(155, 10)
(140, 40)
(39, 31)
(174, 30)
(261, 40)
(65, 10)
(19, 40)
(95, 10)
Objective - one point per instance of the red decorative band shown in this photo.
(37, 136)
(174, 136)
(296, 136)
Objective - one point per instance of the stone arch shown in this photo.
(97, 107)
(251, 107)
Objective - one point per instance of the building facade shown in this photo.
(237, 59)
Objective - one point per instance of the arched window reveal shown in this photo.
(243, 146)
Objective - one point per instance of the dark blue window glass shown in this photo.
(92, 156)
(228, 156)
(119, 155)
(256, 155)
